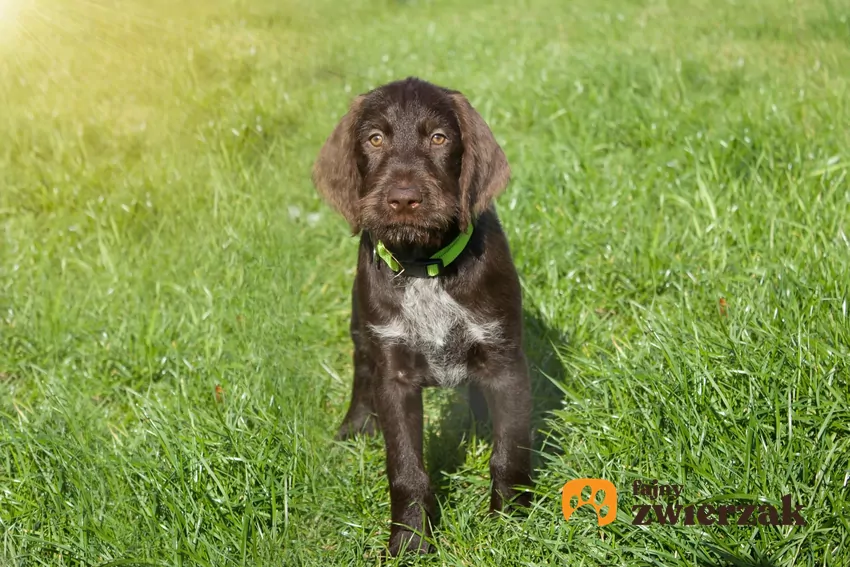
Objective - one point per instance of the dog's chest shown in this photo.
(433, 324)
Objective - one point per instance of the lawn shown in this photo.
(174, 296)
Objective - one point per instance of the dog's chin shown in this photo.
(409, 235)
(410, 231)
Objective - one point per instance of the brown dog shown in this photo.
(414, 169)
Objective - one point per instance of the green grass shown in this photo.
(679, 214)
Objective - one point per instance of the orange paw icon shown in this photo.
(603, 498)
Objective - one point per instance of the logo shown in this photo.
(603, 498)
(708, 514)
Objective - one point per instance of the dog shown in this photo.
(436, 301)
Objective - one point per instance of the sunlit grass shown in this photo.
(159, 237)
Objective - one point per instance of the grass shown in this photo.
(174, 296)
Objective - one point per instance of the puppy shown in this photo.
(436, 301)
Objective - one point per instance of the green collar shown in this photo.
(431, 267)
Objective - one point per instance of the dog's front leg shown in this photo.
(399, 405)
(508, 393)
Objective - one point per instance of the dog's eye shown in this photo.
(376, 140)
(438, 139)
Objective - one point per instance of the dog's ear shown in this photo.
(335, 172)
(484, 172)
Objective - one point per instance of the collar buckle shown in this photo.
(428, 268)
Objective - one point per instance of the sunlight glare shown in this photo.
(9, 10)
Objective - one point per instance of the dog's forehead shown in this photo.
(407, 104)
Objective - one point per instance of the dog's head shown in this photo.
(410, 161)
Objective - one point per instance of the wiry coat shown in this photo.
(464, 326)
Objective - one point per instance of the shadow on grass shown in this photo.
(464, 416)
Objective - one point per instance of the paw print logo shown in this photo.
(598, 493)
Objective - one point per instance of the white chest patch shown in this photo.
(433, 324)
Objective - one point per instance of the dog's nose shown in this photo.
(401, 198)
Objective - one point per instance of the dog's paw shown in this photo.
(406, 541)
(361, 425)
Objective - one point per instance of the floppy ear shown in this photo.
(335, 172)
(484, 171)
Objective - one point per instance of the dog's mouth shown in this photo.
(422, 225)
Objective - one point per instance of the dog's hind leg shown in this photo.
(361, 417)
(478, 404)
(508, 394)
